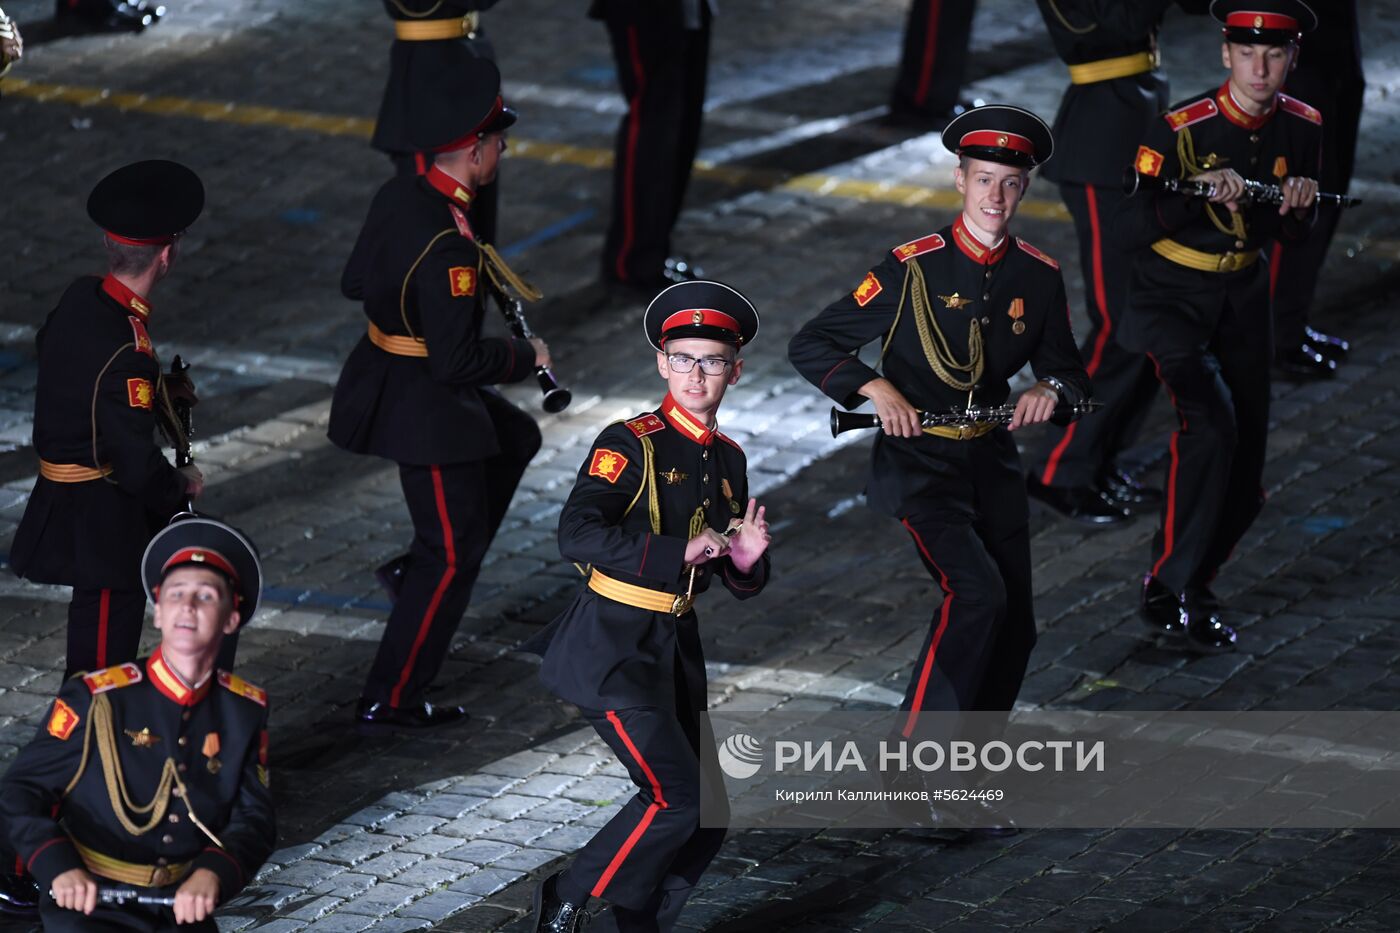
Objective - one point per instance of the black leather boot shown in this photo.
(553, 915)
(373, 717)
(1162, 609)
(1079, 503)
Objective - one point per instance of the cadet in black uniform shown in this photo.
(185, 742)
(937, 38)
(958, 313)
(430, 36)
(104, 486)
(109, 15)
(662, 51)
(1199, 300)
(1115, 91)
(417, 387)
(648, 514)
(1328, 77)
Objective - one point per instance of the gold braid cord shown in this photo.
(1186, 152)
(1077, 30)
(649, 487)
(936, 348)
(100, 719)
(503, 275)
(414, 13)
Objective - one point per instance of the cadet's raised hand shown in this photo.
(194, 480)
(75, 890)
(706, 546)
(752, 539)
(541, 352)
(196, 899)
(897, 416)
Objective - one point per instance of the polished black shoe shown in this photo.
(553, 915)
(1334, 348)
(391, 574)
(1201, 596)
(372, 716)
(1124, 489)
(1206, 634)
(19, 896)
(1304, 363)
(1162, 609)
(110, 15)
(681, 270)
(1080, 503)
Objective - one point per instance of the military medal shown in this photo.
(728, 491)
(211, 751)
(143, 739)
(1018, 311)
(954, 301)
(674, 477)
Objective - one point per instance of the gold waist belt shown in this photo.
(962, 432)
(399, 346)
(1124, 66)
(145, 876)
(1203, 261)
(72, 472)
(639, 596)
(429, 30)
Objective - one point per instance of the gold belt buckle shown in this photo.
(1231, 262)
(964, 431)
(160, 877)
(469, 23)
(681, 604)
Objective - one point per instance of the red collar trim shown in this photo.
(684, 422)
(1235, 113)
(172, 685)
(450, 187)
(128, 299)
(973, 248)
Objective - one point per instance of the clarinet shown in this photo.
(556, 397)
(123, 896)
(843, 421)
(1255, 192)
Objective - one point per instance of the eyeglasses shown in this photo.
(710, 365)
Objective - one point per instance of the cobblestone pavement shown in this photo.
(801, 190)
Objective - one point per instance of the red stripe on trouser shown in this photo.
(438, 594)
(629, 169)
(420, 164)
(659, 803)
(1105, 327)
(937, 634)
(1169, 521)
(1275, 259)
(930, 52)
(104, 616)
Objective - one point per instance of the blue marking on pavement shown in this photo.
(596, 75)
(1323, 524)
(545, 234)
(300, 216)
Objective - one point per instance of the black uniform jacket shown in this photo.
(601, 654)
(217, 737)
(412, 64)
(98, 387)
(1213, 132)
(420, 274)
(1099, 125)
(1003, 287)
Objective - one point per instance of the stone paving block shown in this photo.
(340, 923)
(508, 806)
(381, 900)
(315, 909)
(360, 848)
(345, 885)
(434, 873)
(486, 882)
(469, 826)
(448, 806)
(438, 906)
(307, 872)
(480, 851)
(389, 864)
(430, 844)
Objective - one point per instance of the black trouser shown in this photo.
(1215, 476)
(108, 918)
(104, 628)
(980, 638)
(661, 66)
(485, 202)
(1078, 454)
(936, 40)
(456, 509)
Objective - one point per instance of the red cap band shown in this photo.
(201, 555)
(140, 241)
(1251, 19)
(706, 316)
(998, 139)
(464, 141)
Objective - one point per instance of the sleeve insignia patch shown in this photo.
(914, 247)
(139, 337)
(1026, 247)
(867, 290)
(140, 393)
(1183, 117)
(62, 721)
(462, 280)
(1281, 167)
(1299, 109)
(646, 424)
(1149, 161)
(235, 684)
(113, 677)
(607, 464)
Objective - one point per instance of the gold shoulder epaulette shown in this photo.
(235, 684)
(110, 678)
(1026, 247)
(1299, 109)
(1194, 112)
(917, 247)
(646, 424)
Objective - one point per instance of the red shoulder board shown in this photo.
(235, 684)
(646, 424)
(460, 219)
(123, 675)
(140, 337)
(1299, 109)
(1183, 117)
(915, 247)
(730, 441)
(1037, 253)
